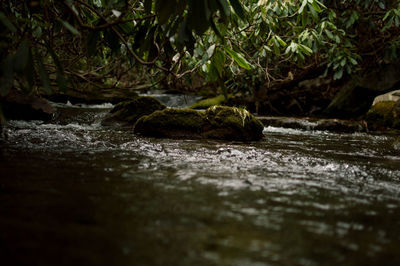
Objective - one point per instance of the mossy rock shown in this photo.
(172, 123)
(218, 122)
(127, 113)
(206, 103)
(232, 123)
(396, 144)
(396, 115)
(383, 115)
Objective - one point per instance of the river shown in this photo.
(75, 193)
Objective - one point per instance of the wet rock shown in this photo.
(355, 98)
(19, 106)
(390, 96)
(384, 115)
(172, 123)
(218, 122)
(396, 144)
(232, 123)
(92, 96)
(333, 125)
(127, 113)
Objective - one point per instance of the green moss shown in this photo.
(130, 111)
(173, 123)
(381, 115)
(218, 122)
(233, 123)
(206, 103)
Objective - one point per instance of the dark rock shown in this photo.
(127, 113)
(19, 106)
(384, 115)
(172, 123)
(225, 123)
(355, 98)
(333, 125)
(92, 96)
(232, 123)
(396, 144)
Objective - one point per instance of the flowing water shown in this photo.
(74, 193)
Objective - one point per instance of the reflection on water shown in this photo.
(73, 192)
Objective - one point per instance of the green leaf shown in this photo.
(210, 51)
(305, 49)
(238, 8)
(212, 73)
(329, 34)
(218, 61)
(353, 61)
(303, 5)
(238, 58)
(281, 42)
(316, 6)
(7, 23)
(69, 27)
(338, 74)
(313, 12)
(387, 15)
(343, 62)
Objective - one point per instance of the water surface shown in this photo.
(74, 193)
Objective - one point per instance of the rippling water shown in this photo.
(72, 192)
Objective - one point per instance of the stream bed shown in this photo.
(75, 193)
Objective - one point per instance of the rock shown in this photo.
(355, 98)
(172, 123)
(390, 96)
(218, 122)
(231, 123)
(352, 101)
(384, 115)
(396, 115)
(127, 113)
(306, 123)
(396, 144)
(92, 95)
(19, 106)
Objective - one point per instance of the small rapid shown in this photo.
(99, 196)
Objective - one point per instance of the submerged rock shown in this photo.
(384, 115)
(127, 113)
(218, 122)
